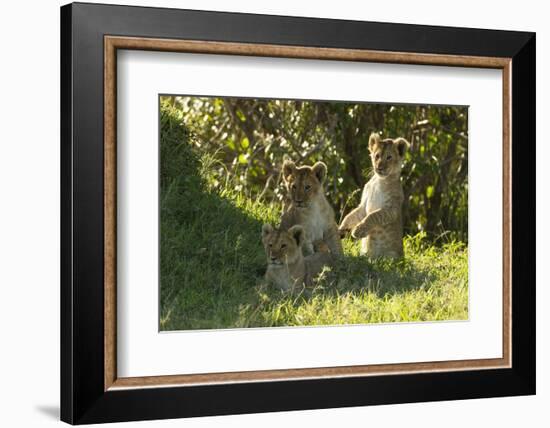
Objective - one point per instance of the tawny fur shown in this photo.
(309, 207)
(287, 268)
(378, 218)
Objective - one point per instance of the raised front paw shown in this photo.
(343, 230)
(359, 232)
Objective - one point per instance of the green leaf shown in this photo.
(240, 115)
(429, 191)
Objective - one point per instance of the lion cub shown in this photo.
(377, 219)
(287, 268)
(309, 207)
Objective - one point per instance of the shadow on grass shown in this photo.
(211, 258)
(210, 249)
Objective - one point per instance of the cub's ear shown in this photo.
(402, 145)
(266, 230)
(298, 233)
(289, 168)
(374, 139)
(320, 171)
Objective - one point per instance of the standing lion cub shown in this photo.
(378, 218)
(309, 207)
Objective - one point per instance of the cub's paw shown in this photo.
(343, 231)
(308, 248)
(359, 232)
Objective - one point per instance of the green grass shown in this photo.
(212, 261)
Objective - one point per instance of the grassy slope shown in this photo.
(212, 262)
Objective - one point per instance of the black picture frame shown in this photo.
(83, 398)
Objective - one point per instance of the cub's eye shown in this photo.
(283, 246)
(270, 245)
(308, 187)
(377, 156)
(389, 157)
(293, 187)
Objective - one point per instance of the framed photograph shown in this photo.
(265, 213)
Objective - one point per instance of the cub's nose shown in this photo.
(273, 258)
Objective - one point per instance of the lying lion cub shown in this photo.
(309, 206)
(377, 219)
(287, 268)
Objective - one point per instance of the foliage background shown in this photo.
(250, 137)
